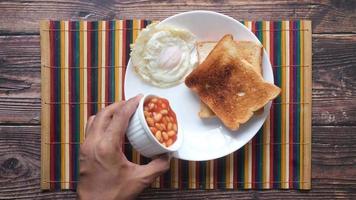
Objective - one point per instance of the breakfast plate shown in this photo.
(204, 139)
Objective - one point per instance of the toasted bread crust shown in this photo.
(229, 85)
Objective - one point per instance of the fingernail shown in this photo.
(135, 98)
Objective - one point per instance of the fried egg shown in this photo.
(163, 55)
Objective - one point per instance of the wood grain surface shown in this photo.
(334, 88)
(23, 17)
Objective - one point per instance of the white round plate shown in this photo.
(204, 139)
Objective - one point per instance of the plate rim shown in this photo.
(267, 106)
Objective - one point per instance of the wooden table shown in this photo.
(334, 88)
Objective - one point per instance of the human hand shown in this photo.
(105, 172)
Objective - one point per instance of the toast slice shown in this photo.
(229, 85)
(250, 51)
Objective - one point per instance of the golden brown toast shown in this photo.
(229, 85)
(248, 50)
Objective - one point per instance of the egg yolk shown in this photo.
(170, 57)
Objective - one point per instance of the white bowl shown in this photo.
(141, 137)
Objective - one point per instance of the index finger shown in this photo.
(103, 117)
(120, 120)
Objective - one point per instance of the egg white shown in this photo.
(164, 55)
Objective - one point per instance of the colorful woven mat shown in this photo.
(83, 67)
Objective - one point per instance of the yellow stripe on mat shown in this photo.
(211, 173)
(307, 46)
(120, 61)
(192, 177)
(62, 105)
(66, 105)
(136, 25)
(283, 108)
(230, 171)
(174, 173)
(85, 80)
(46, 109)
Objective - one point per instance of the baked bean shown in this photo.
(175, 128)
(158, 135)
(165, 135)
(169, 126)
(164, 120)
(151, 106)
(154, 100)
(153, 129)
(171, 133)
(163, 126)
(158, 126)
(145, 108)
(164, 112)
(150, 121)
(169, 142)
(157, 117)
(147, 114)
(167, 118)
(163, 105)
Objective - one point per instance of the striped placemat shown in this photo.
(82, 70)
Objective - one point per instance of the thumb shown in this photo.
(156, 167)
